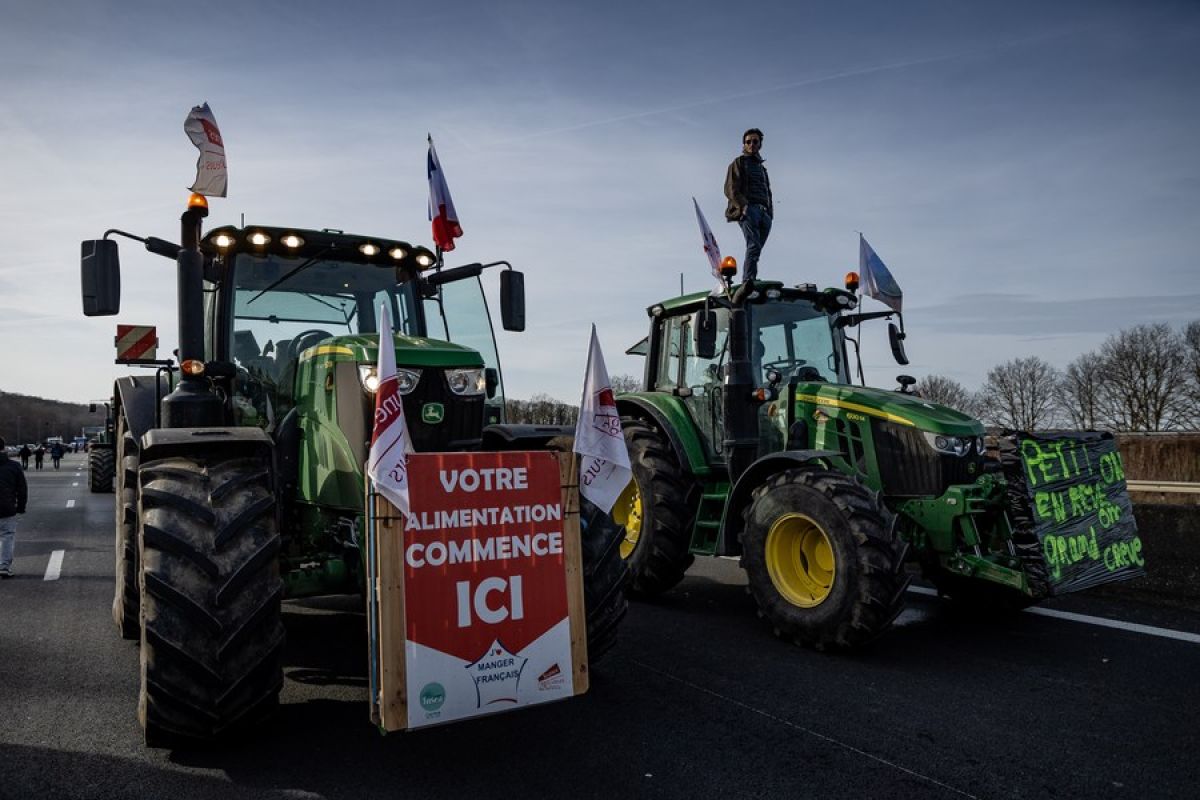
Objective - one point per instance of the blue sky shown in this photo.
(1029, 171)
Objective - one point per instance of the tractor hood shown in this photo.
(411, 351)
(903, 409)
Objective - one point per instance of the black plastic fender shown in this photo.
(522, 437)
(138, 402)
(730, 543)
(164, 442)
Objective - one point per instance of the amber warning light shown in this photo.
(851, 281)
(728, 267)
(198, 201)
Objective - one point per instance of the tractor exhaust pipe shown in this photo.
(193, 404)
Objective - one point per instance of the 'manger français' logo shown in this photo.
(497, 675)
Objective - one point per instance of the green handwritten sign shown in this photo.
(1073, 523)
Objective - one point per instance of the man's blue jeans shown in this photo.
(8, 533)
(756, 227)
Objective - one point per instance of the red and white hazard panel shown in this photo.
(136, 342)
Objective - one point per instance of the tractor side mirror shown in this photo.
(512, 300)
(100, 278)
(492, 378)
(705, 334)
(896, 339)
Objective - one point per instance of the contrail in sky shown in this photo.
(849, 73)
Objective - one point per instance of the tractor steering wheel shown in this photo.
(784, 364)
(306, 339)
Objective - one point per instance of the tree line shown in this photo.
(25, 419)
(1144, 378)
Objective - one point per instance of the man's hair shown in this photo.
(753, 130)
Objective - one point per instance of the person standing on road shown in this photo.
(38, 456)
(56, 453)
(748, 190)
(13, 495)
(24, 453)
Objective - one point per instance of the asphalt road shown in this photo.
(699, 701)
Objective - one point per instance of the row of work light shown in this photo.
(294, 242)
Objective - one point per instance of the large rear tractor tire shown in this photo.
(126, 592)
(605, 574)
(824, 565)
(605, 578)
(212, 632)
(656, 512)
(100, 469)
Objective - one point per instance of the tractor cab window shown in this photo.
(283, 305)
(666, 372)
(796, 339)
(703, 381)
(459, 313)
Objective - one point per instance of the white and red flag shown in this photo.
(211, 176)
(604, 459)
(711, 248)
(441, 208)
(390, 443)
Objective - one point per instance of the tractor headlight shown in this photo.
(467, 381)
(406, 379)
(950, 445)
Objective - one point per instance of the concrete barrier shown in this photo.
(1170, 537)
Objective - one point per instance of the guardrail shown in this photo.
(1169, 487)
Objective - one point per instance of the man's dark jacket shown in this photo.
(13, 492)
(737, 188)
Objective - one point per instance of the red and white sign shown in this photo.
(487, 626)
(604, 469)
(136, 342)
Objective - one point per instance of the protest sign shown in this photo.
(1073, 524)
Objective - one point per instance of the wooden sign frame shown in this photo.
(386, 611)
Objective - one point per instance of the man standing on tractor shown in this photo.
(749, 192)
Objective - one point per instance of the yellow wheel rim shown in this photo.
(800, 560)
(627, 512)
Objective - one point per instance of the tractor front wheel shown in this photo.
(824, 566)
(212, 630)
(656, 512)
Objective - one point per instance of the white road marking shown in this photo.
(55, 566)
(76, 483)
(1103, 622)
(70, 504)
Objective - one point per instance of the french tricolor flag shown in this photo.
(441, 208)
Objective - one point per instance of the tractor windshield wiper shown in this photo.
(308, 263)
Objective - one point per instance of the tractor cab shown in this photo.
(278, 301)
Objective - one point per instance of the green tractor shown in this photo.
(751, 441)
(240, 469)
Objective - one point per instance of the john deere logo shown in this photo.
(432, 413)
(432, 696)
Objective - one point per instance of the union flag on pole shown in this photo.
(441, 208)
(604, 459)
(711, 248)
(387, 463)
(877, 280)
(211, 177)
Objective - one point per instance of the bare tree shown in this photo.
(947, 392)
(1021, 394)
(625, 383)
(1191, 341)
(1146, 385)
(1081, 391)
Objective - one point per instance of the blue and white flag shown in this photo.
(877, 281)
